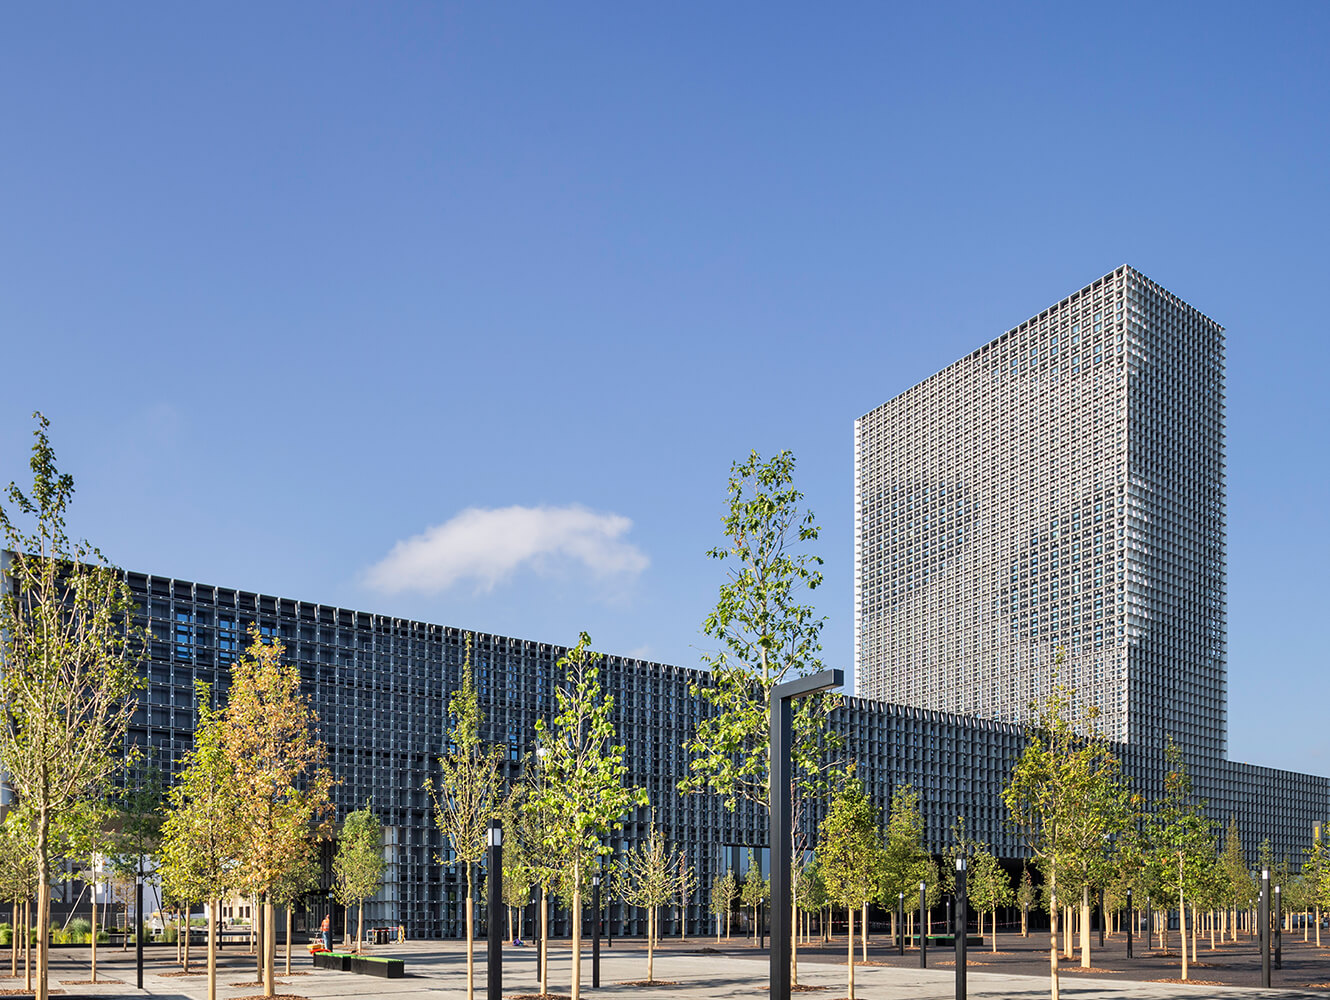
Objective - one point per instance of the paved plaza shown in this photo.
(701, 971)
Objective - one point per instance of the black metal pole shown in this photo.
(782, 722)
(1264, 917)
(138, 930)
(595, 930)
(923, 926)
(960, 929)
(494, 939)
(900, 924)
(1101, 918)
(1279, 929)
(1131, 922)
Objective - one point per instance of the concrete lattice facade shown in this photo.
(1050, 509)
(380, 686)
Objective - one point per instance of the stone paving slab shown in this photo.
(437, 970)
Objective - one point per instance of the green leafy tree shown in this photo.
(767, 633)
(468, 795)
(850, 856)
(136, 814)
(281, 774)
(518, 871)
(755, 890)
(1027, 899)
(1182, 841)
(905, 858)
(203, 833)
(649, 877)
(988, 887)
(358, 864)
(296, 883)
(1066, 797)
(1241, 890)
(70, 664)
(584, 797)
(724, 891)
(1316, 874)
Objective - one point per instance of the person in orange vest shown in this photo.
(326, 930)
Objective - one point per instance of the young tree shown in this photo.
(905, 858)
(767, 635)
(468, 795)
(724, 891)
(70, 664)
(1027, 899)
(202, 836)
(850, 856)
(988, 887)
(294, 885)
(649, 877)
(1316, 874)
(1066, 797)
(1241, 890)
(1183, 845)
(584, 797)
(282, 780)
(358, 864)
(136, 821)
(756, 889)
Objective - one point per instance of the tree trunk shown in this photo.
(1182, 919)
(94, 931)
(1318, 925)
(13, 945)
(510, 924)
(651, 946)
(992, 929)
(185, 932)
(43, 937)
(256, 937)
(544, 943)
(577, 929)
(288, 938)
(27, 945)
(863, 931)
(1025, 922)
(1053, 936)
(1085, 927)
(213, 906)
(360, 928)
(269, 947)
(849, 913)
(470, 951)
(794, 942)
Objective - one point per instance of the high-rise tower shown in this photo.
(1052, 506)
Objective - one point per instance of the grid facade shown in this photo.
(380, 687)
(1050, 509)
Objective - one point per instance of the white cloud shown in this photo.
(488, 546)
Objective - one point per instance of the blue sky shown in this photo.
(300, 282)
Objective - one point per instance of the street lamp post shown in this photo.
(959, 929)
(900, 924)
(923, 926)
(782, 724)
(1264, 917)
(494, 941)
(1131, 922)
(1278, 928)
(595, 930)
